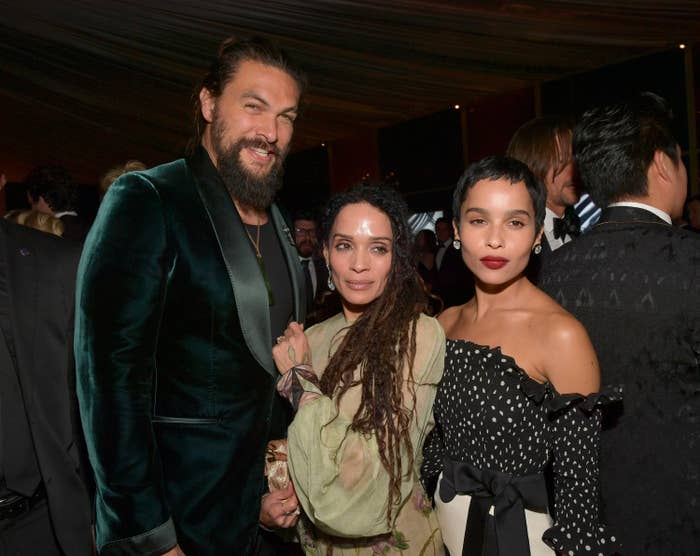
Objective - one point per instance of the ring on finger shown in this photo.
(279, 339)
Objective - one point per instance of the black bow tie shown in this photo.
(570, 224)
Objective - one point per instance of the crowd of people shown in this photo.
(214, 377)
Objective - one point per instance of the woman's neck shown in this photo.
(488, 297)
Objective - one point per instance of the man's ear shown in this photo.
(663, 166)
(208, 103)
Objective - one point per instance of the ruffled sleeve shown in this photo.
(337, 473)
(575, 429)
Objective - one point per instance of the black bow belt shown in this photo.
(504, 534)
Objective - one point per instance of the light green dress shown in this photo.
(337, 473)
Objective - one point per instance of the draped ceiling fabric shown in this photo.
(90, 83)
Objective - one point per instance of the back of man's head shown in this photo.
(614, 146)
(55, 185)
(542, 144)
(233, 52)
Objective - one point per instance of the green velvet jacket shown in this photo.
(176, 380)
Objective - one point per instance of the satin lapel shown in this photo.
(23, 301)
(247, 281)
(292, 258)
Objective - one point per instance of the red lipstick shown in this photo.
(493, 263)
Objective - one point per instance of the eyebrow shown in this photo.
(256, 96)
(345, 236)
(514, 212)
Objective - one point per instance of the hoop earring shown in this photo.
(537, 249)
(456, 244)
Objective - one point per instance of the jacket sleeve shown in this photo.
(119, 297)
(338, 474)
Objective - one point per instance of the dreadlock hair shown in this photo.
(382, 341)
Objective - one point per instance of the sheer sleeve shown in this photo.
(576, 436)
(338, 474)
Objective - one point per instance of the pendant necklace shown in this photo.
(258, 255)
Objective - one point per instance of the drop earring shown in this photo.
(537, 249)
(331, 285)
(456, 244)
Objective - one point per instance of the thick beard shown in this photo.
(257, 192)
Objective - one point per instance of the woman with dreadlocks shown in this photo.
(363, 384)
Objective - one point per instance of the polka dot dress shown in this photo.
(492, 415)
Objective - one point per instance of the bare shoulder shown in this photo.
(558, 328)
(567, 356)
(449, 319)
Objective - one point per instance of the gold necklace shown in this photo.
(255, 243)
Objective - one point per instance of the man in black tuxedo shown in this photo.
(634, 283)
(544, 144)
(321, 302)
(454, 283)
(44, 508)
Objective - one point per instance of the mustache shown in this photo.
(259, 144)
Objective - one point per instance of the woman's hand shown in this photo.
(292, 348)
(280, 508)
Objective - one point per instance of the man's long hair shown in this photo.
(381, 343)
(543, 144)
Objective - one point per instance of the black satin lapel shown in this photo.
(247, 281)
(292, 258)
(23, 303)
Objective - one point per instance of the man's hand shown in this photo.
(292, 348)
(280, 509)
(175, 551)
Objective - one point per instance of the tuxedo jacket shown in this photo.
(634, 283)
(41, 283)
(174, 354)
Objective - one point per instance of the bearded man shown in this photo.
(187, 275)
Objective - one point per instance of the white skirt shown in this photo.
(452, 517)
